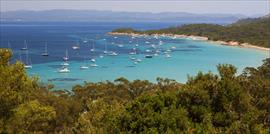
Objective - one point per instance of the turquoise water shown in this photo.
(189, 57)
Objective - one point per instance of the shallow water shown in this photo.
(188, 57)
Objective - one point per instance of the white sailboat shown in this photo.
(93, 47)
(45, 53)
(93, 64)
(65, 64)
(25, 46)
(93, 60)
(28, 64)
(173, 47)
(84, 66)
(64, 70)
(120, 45)
(112, 53)
(66, 57)
(76, 46)
(168, 56)
(105, 49)
(133, 52)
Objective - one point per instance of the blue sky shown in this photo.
(246, 7)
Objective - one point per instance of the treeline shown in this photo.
(207, 103)
(253, 31)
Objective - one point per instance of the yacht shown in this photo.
(153, 46)
(83, 67)
(66, 57)
(94, 65)
(93, 60)
(85, 41)
(132, 58)
(65, 64)
(138, 60)
(173, 47)
(147, 42)
(160, 43)
(132, 53)
(64, 70)
(147, 50)
(148, 56)
(28, 64)
(45, 53)
(120, 45)
(113, 53)
(135, 62)
(76, 47)
(105, 48)
(93, 47)
(101, 56)
(168, 56)
(25, 46)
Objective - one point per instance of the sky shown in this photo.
(245, 7)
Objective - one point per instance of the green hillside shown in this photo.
(207, 103)
(253, 31)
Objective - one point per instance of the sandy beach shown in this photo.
(230, 43)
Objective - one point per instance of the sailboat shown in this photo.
(65, 64)
(45, 53)
(66, 57)
(93, 65)
(101, 56)
(77, 46)
(133, 52)
(25, 46)
(64, 69)
(168, 56)
(112, 53)
(173, 47)
(84, 66)
(105, 49)
(93, 47)
(27, 65)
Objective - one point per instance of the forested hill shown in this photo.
(223, 103)
(253, 31)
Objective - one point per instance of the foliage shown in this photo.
(253, 31)
(207, 103)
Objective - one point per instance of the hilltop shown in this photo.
(254, 31)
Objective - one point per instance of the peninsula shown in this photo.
(249, 33)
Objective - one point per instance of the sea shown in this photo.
(173, 58)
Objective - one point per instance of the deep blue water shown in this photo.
(188, 57)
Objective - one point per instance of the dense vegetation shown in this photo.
(207, 103)
(253, 31)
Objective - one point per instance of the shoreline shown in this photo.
(193, 37)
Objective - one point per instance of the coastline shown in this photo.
(202, 38)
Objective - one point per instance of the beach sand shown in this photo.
(230, 43)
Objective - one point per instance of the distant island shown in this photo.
(252, 33)
(115, 16)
